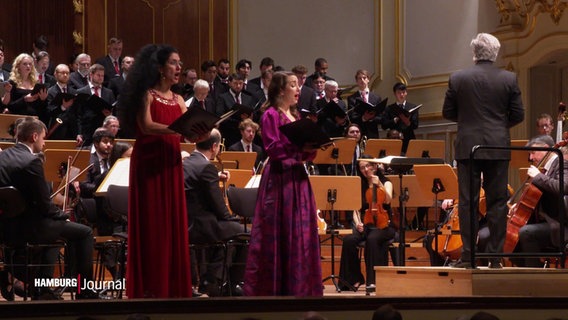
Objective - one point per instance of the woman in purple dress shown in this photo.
(284, 255)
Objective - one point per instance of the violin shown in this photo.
(376, 216)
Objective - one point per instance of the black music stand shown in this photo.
(336, 193)
(340, 153)
(444, 183)
(401, 165)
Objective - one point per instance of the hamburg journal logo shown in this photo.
(80, 284)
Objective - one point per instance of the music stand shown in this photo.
(118, 175)
(55, 158)
(239, 177)
(60, 144)
(426, 149)
(441, 180)
(340, 153)
(244, 160)
(6, 120)
(226, 164)
(402, 165)
(519, 159)
(336, 193)
(379, 148)
(129, 141)
(6, 144)
(187, 147)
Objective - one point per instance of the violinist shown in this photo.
(376, 236)
(209, 218)
(542, 231)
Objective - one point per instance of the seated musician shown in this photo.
(377, 237)
(449, 247)
(42, 221)
(208, 216)
(542, 231)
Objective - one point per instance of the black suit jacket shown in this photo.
(69, 129)
(369, 128)
(24, 170)
(485, 101)
(205, 204)
(77, 81)
(110, 72)
(238, 146)
(115, 85)
(307, 99)
(230, 127)
(407, 131)
(89, 118)
(209, 104)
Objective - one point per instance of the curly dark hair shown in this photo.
(144, 74)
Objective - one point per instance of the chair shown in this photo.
(12, 204)
(242, 202)
(116, 205)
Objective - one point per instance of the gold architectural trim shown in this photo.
(377, 76)
(211, 29)
(147, 2)
(78, 6)
(78, 37)
(170, 4)
(400, 73)
(534, 44)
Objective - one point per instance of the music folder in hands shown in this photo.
(398, 110)
(190, 123)
(305, 132)
(361, 106)
(61, 96)
(37, 88)
(98, 103)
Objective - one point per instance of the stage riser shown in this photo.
(450, 282)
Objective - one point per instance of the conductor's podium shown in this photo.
(446, 281)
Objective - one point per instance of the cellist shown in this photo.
(376, 238)
(542, 231)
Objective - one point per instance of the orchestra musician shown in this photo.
(485, 101)
(209, 218)
(377, 238)
(542, 231)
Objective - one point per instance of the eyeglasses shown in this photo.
(175, 63)
(544, 126)
(366, 166)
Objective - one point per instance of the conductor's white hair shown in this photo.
(485, 47)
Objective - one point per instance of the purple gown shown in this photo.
(284, 253)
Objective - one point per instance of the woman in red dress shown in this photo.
(158, 245)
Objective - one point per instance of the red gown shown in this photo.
(158, 245)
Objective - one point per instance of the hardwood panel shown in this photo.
(182, 29)
(31, 18)
(135, 25)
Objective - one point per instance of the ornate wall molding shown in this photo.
(520, 13)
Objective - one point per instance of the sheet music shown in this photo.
(118, 175)
(253, 182)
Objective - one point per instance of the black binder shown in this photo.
(305, 132)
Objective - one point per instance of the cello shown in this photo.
(450, 245)
(521, 211)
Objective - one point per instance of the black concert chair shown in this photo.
(242, 202)
(13, 204)
(114, 247)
